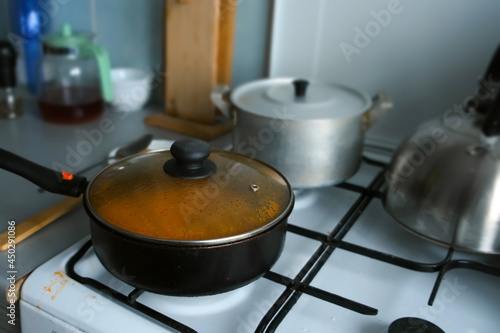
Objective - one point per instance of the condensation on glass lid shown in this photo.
(139, 197)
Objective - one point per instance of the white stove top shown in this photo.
(467, 301)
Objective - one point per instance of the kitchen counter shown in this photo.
(70, 147)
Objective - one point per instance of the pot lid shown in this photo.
(189, 194)
(67, 38)
(298, 99)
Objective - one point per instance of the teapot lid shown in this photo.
(67, 38)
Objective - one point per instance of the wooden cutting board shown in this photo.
(28, 227)
(198, 56)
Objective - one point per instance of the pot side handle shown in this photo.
(48, 179)
(219, 97)
(382, 103)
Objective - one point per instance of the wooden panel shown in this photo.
(194, 129)
(33, 224)
(191, 58)
(227, 18)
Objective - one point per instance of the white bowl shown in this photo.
(131, 88)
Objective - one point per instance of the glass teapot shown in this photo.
(74, 78)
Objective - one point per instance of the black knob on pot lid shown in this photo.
(413, 325)
(190, 160)
(300, 87)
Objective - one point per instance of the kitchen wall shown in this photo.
(252, 40)
(428, 55)
(133, 31)
(4, 22)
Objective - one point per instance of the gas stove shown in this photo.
(347, 266)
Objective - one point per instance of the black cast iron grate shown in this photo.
(300, 284)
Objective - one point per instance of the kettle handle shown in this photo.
(488, 87)
(103, 64)
(493, 70)
(491, 125)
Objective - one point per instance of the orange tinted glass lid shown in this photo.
(190, 194)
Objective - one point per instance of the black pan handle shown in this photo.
(50, 180)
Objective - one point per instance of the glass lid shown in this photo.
(67, 38)
(189, 194)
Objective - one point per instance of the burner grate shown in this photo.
(300, 284)
(334, 240)
(129, 300)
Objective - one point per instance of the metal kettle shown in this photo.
(443, 182)
(74, 79)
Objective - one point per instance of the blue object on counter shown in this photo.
(28, 22)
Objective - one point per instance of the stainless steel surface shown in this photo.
(309, 153)
(315, 140)
(444, 184)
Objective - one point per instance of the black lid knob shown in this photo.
(190, 160)
(300, 87)
(7, 65)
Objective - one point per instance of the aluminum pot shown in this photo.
(181, 222)
(310, 131)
